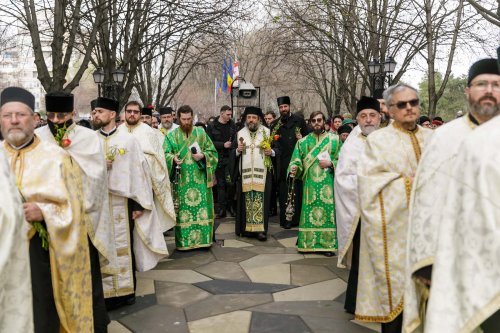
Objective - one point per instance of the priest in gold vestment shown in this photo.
(151, 141)
(50, 186)
(135, 225)
(16, 303)
(426, 208)
(385, 173)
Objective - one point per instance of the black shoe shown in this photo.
(130, 301)
(262, 236)
(221, 214)
(328, 254)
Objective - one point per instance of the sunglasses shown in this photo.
(402, 105)
(132, 111)
(316, 120)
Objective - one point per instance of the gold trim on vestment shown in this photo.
(332, 250)
(317, 229)
(194, 246)
(481, 315)
(386, 253)
(202, 222)
(382, 319)
(408, 184)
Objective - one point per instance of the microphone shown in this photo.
(200, 163)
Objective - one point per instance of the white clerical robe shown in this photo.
(385, 172)
(426, 208)
(165, 131)
(151, 142)
(85, 149)
(465, 278)
(346, 192)
(129, 178)
(16, 314)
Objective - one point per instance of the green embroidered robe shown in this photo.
(195, 218)
(317, 228)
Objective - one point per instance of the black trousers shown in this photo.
(352, 282)
(45, 317)
(225, 188)
(395, 326)
(101, 318)
(283, 196)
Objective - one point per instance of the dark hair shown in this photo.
(134, 103)
(437, 118)
(200, 124)
(184, 109)
(337, 116)
(271, 113)
(225, 108)
(315, 113)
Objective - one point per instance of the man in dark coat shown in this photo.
(287, 130)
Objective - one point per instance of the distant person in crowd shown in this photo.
(425, 121)
(201, 125)
(269, 117)
(343, 132)
(167, 120)
(336, 123)
(348, 121)
(346, 115)
(155, 121)
(147, 116)
(222, 132)
(386, 118)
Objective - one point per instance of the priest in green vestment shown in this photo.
(313, 161)
(191, 159)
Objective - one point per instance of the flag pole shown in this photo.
(215, 96)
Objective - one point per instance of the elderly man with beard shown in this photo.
(167, 120)
(49, 184)
(385, 174)
(151, 142)
(134, 220)
(192, 158)
(346, 193)
(439, 157)
(254, 180)
(313, 161)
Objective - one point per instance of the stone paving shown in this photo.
(241, 285)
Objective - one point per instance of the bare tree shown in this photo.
(55, 32)
(489, 11)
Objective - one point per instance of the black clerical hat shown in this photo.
(283, 100)
(483, 66)
(252, 110)
(147, 112)
(15, 94)
(107, 103)
(344, 129)
(366, 102)
(59, 102)
(166, 110)
(92, 104)
(423, 119)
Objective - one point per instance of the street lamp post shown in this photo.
(379, 71)
(98, 79)
(118, 78)
(109, 90)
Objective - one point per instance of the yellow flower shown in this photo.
(121, 151)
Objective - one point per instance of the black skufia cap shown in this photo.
(366, 102)
(107, 103)
(344, 129)
(92, 104)
(16, 94)
(166, 110)
(483, 66)
(59, 102)
(147, 112)
(252, 110)
(283, 100)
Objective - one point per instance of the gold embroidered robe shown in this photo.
(46, 175)
(385, 176)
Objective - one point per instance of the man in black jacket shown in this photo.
(222, 131)
(287, 130)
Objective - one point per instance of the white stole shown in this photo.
(253, 170)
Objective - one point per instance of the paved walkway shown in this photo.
(243, 286)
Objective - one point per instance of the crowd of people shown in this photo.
(409, 204)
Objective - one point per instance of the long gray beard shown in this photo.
(485, 111)
(252, 127)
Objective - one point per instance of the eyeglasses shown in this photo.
(316, 120)
(402, 105)
(132, 112)
(8, 116)
(483, 85)
(58, 115)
